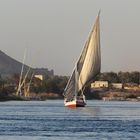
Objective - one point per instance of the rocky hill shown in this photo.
(9, 65)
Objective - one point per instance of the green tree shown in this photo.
(124, 77)
(135, 77)
(111, 77)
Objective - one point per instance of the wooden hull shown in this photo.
(75, 103)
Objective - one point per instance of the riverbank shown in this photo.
(110, 95)
(32, 97)
(113, 95)
(10, 98)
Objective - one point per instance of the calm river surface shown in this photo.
(50, 120)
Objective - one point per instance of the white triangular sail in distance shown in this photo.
(88, 65)
(92, 59)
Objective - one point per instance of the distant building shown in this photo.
(39, 77)
(117, 85)
(44, 72)
(99, 84)
(131, 86)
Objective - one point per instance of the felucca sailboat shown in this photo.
(85, 70)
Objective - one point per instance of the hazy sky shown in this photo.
(55, 31)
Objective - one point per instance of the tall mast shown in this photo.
(21, 74)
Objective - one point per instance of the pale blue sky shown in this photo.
(54, 31)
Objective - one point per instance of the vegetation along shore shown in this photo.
(126, 87)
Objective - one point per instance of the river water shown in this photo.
(50, 120)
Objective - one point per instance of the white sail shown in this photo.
(92, 58)
(70, 88)
(88, 65)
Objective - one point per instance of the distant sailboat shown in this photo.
(18, 92)
(22, 80)
(86, 69)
